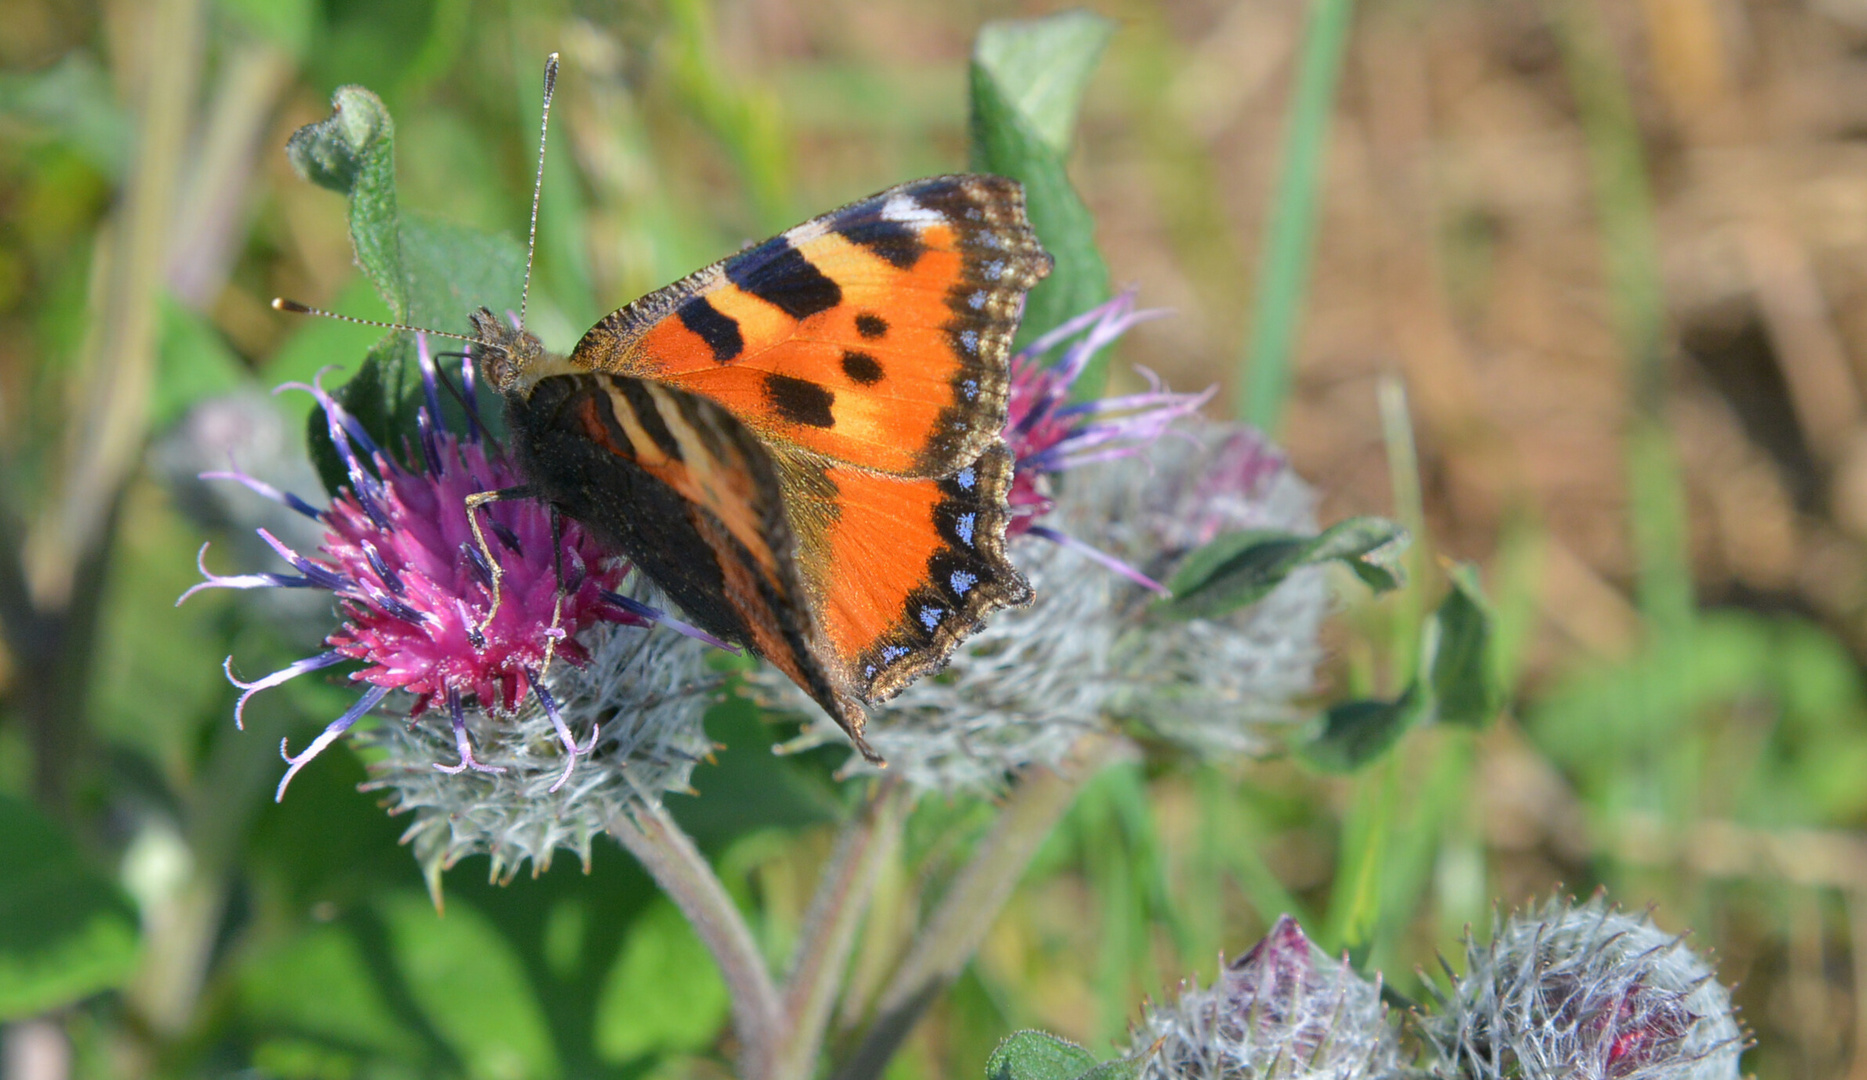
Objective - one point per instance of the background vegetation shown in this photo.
(1613, 254)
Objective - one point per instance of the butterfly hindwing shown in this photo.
(901, 570)
(875, 335)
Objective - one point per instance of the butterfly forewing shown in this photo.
(876, 335)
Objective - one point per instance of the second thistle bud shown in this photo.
(1585, 992)
(1285, 1010)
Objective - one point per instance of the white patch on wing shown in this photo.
(808, 231)
(904, 209)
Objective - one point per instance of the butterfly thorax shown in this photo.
(510, 358)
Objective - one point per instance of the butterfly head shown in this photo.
(506, 354)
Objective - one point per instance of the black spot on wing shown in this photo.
(719, 331)
(799, 401)
(871, 325)
(778, 274)
(862, 368)
(895, 242)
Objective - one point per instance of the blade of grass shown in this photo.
(1290, 235)
(1624, 203)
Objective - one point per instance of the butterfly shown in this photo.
(800, 444)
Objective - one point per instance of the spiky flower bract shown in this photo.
(1585, 992)
(1107, 501)
(1283, 1011)
(417, 593)
(1215, 687)
(646, 693)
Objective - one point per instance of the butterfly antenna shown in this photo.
(280, 303)
(538, 181)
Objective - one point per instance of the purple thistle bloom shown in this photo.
(1048, 434)
(415, 589)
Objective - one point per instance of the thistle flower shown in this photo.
(1282, 1011)
(1102, 496)
(1049, 435)
(416, 591)
(1215, 687)
(1587, 992)
(645, 693)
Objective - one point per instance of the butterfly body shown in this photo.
(801, 443)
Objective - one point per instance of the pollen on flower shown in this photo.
(415, 590)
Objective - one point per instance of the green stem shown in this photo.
(818, 965)
(1289, 243)
(670, 857)
(970, 906)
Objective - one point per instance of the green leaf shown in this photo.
(320, 983)
(1241, 568)
(452, 270)
(1456, 653)
(1040, 68)
(430, 273)
(1028, 78)
(471, 986)
(1119, 1069)
(1038, 1055)
(66, 931)
(352, 152)
(1356, 733)
(664, 993)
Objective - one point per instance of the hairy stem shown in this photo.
(821, 959)
(967, 911)
(670, 857)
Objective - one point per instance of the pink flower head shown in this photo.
(415, 589)
(1049, 434)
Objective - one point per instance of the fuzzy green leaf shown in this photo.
(66, 931)
(452, 270)
(1039, 1055)
(352, 152)
(1457, 654)
(1355, 733)
(429, 272)
(1239, 569)
(1028, 78)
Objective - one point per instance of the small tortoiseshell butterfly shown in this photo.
(800, 444)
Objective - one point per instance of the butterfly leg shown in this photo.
(474, 502)
(557, 606)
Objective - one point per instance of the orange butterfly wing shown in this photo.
(901, 570)
(877, 334)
